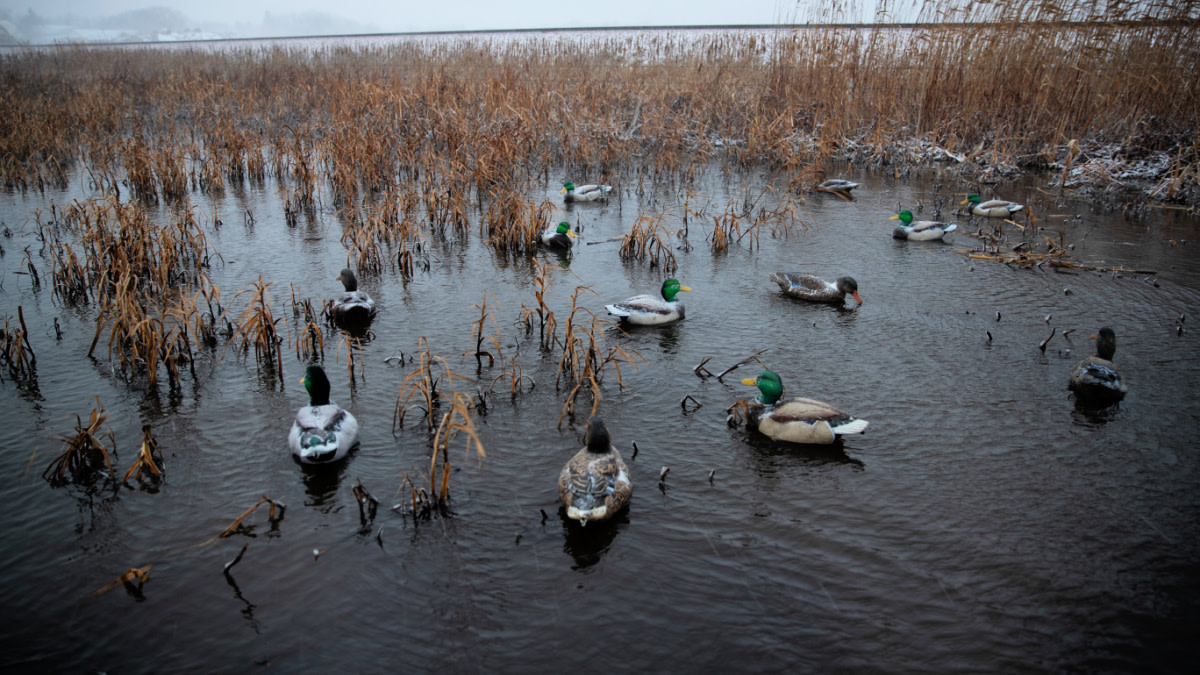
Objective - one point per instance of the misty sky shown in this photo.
(410, 15)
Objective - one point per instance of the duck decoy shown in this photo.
(796, 420)
(352, 306)
(920, 230)
(594, 484)
(559, 236)
(584, 193)
(816, 289)
(647, 310)
(993, 208)
(323, 432)
(1096, 378)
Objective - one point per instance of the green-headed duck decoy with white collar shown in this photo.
(584, 193)
(920, 230)
(993, 208)
(353, 306)
(647, 310)
(1096, 378)
(594, 485)
(558, 236)
(816, 289)
(323, 432)
(796, 420)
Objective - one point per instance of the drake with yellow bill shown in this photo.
(647, 310)
(796, 420)
(993, 208)
(920, 230)
(584, 193)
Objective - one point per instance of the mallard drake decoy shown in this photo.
(1096, 378)
(584, 193)
(647, 310)
(993, 208)
(594, 484)
(816, 289)
(353, 306)
(558, 237)
(921, 230)
(322, 432)
(796, 420)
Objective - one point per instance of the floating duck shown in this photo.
(353, 306)
(647, 310)
(584, 193)
(837, 185)
(796, 420)
(322, 432)
(594, 485)
(993, 208)
(558, 237)
(921, 230)
(816, 289)
(1096, 379)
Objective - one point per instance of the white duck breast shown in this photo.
(322, 434)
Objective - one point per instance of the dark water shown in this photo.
(981, 524)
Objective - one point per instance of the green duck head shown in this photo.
(670, 287)
(317, 385)
(904, 216)
(770, 387)
(568, 187)
(973, 198)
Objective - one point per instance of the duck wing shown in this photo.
(810, 411)
(640, 304)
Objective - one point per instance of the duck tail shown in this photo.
(851, 426)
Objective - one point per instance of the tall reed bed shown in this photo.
(1004, 84)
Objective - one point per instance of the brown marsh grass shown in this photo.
(85, 455)
(585, 358)
(1001, 85)
(15, 349)
(420, 390)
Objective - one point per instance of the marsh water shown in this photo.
(983, 523)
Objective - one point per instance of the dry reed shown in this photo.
(85, 454)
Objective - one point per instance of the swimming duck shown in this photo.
(1096, 378)
(558, 237)
(816, 289)
(594, 485)
(837, 185)
(322, 432)
(993, 208)
(647, 310)
(921, 230)
(353, 306)
(584, 193)
(797, 420)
